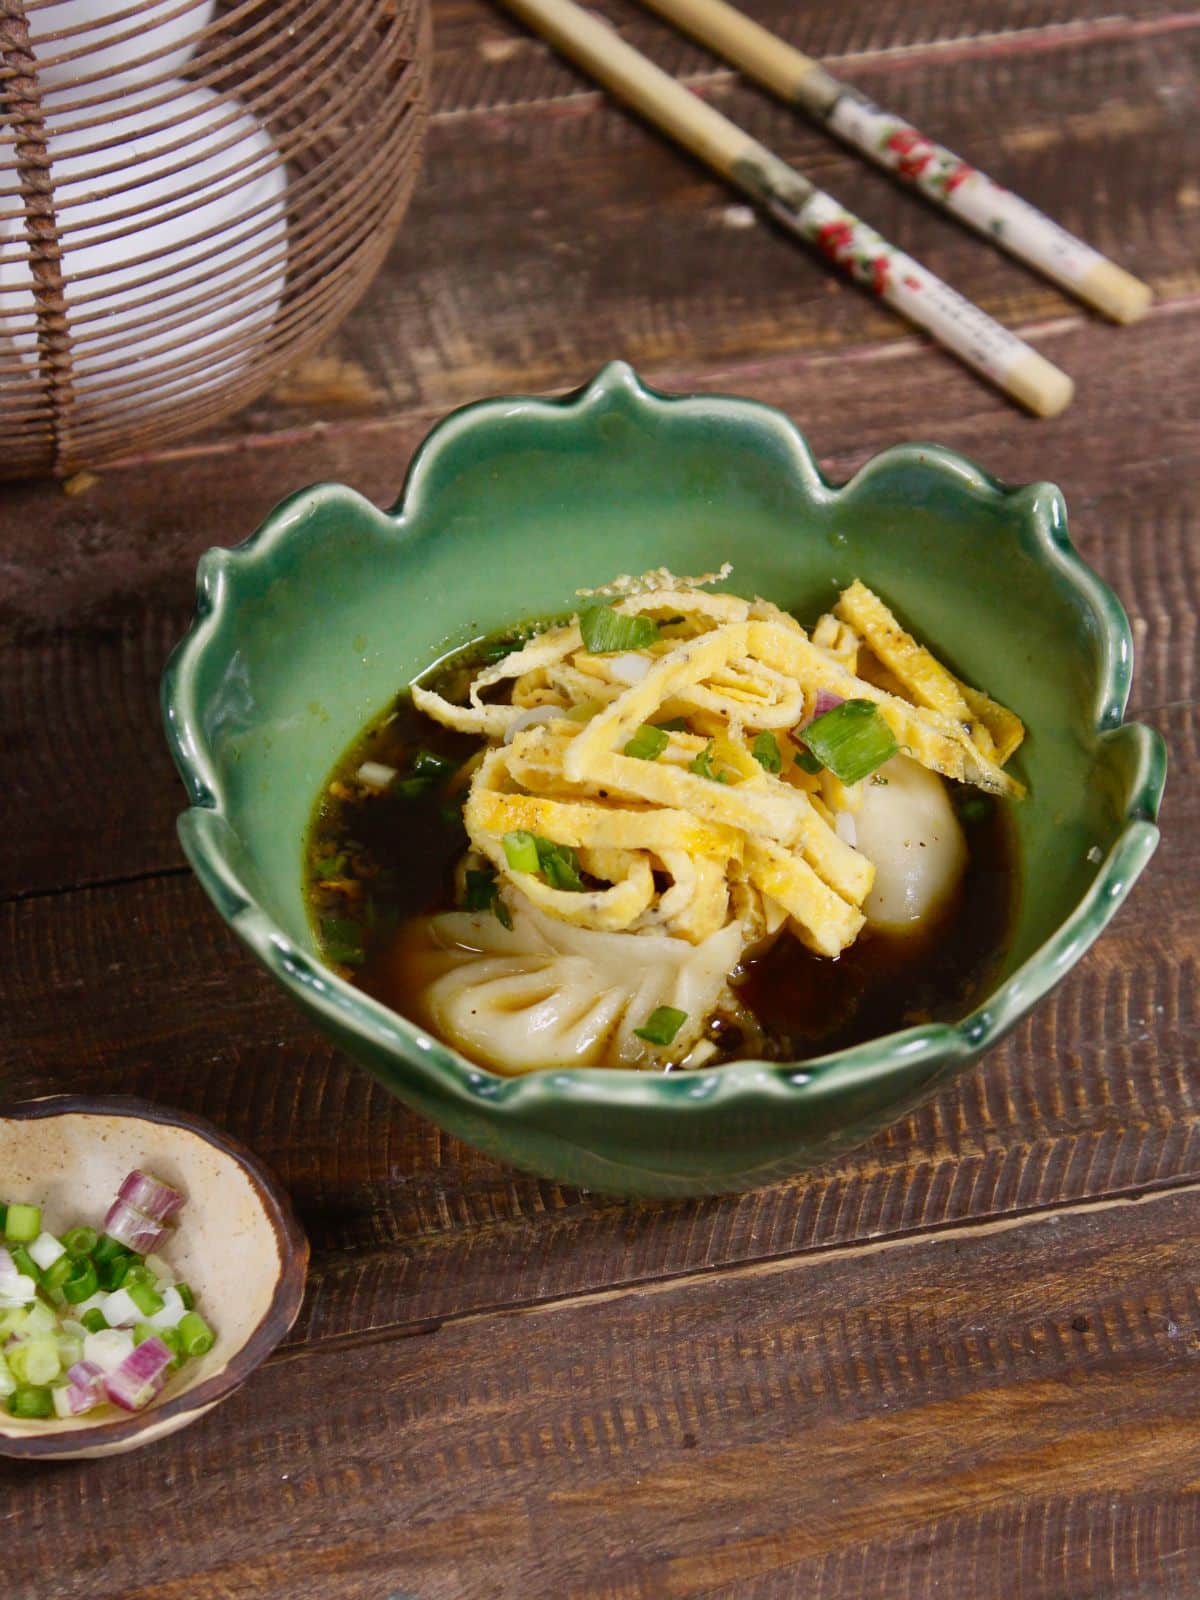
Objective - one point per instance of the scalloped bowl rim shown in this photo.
(948, 1044)
(279, 1317)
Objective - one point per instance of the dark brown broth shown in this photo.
(399, 854)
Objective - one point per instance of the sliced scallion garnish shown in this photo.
(703, 767)
(807, 762)
(482, 893)
(661, 1026)
(647, 743)
(521, 851)
(23, 1223)
(559, 865)
(852, 740)
(766, 752)
(606, 631)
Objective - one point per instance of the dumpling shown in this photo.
(907, 827)
(545, 994)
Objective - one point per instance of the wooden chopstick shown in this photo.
(798, 205)
(938, 173)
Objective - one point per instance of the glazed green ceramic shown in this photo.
(306, 631)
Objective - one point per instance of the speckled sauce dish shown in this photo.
(238, 1245)
(308, 629)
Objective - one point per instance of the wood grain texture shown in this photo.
(1092, 1095)
(97, 589)
(960, 1361)
(881, 1421)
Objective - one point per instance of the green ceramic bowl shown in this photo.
(307, 630)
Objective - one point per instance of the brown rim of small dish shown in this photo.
(275, 1323)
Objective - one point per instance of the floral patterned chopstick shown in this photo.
(938, 173)
(806, 211)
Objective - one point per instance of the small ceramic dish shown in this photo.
(308, 629)
(238, 1245)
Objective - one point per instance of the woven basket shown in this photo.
(192, 194)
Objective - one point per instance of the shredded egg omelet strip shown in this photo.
(650, 763)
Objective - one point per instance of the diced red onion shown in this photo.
(133, 1230)
(825, 701)
(140, 1376)
(151, 1196)
(85, 1387)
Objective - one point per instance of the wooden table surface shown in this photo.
(963, 1362)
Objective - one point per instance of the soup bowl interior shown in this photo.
(236, 1245)
(307, 631)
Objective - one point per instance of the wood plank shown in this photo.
(894, 1421)
(603, 240)
(1092, 1095)
(484, 61)
(97, 588)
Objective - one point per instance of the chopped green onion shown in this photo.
(583, 712)
(428, 764)
(145, 1297)
(807, 762)
(57, 1273)
(94, 1320)
(521, 851)
(852, 740)
(36, 1360)
(170, 1337)
(480, 889)
(112, 1273)
(80, 1241)
(661, 1026)
(108, 1249)
(3, 1215)
(184, 1292)
(648, 743)
(427, 770)
(23, 1223)
(139, 1272)
(195, 1335)
(81, 1283)
(559, 865)
(673, 725)
(482, 893)
(25, 1263)
(31, 1400)
(499, 648)
(606, 631)
(702, 766)
(329, 866)
(143, 1331)
(766, 752)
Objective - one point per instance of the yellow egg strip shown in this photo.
(924, 677)
(823, 920)
(1006, 728)
(935, 741)
(543, 651)
(580, 825)
(839, 639)
(489, 721)
(687, 603)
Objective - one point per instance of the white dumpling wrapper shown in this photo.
(546, 994)
(907, 827)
